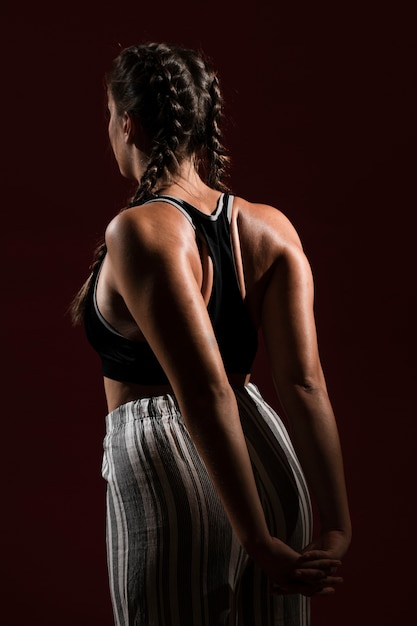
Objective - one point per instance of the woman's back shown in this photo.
(115, 334)
(259, 234)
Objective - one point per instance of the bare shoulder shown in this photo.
(267, 228)
(151, 243)
(152, 228)
(273, 258)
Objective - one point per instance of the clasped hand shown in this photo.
(311, 573)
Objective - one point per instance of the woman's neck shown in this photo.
(189, 186)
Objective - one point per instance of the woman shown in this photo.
(208, 512)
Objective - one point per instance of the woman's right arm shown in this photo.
(155, 269)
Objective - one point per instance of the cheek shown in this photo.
(110, 132)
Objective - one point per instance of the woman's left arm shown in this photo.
(291, 340)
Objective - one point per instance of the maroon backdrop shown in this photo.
(321, 123)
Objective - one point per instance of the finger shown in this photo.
(309, 574)
(304, 589)
(314, 576)
(326, 591)
(335, 580)
(324, 564)
(316, 571)
(308, 582)
(326, 587)
(309, 568)
(318, 555)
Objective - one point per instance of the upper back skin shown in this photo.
(260, 236)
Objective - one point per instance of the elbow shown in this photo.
(204, 396)
(307, 379)
(303, 384)
(309, 386)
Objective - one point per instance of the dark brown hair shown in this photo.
(174, 96)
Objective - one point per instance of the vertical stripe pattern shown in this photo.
(173, 558)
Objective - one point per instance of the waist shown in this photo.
(118, 393)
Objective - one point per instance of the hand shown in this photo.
(323, 555)
(334, 543)
(290, 572)
(314, 575)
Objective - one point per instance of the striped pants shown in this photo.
(172, 555)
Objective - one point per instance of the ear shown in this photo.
(133, 132)
(129, 128)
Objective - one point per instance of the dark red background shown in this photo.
(321, 105)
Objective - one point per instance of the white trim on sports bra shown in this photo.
(212, 216)
(98, 313)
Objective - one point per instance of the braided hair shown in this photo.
(174, 95)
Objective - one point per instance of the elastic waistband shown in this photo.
(156, 407)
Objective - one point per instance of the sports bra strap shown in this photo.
(182, 204)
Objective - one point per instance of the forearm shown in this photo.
(214, 425)
(316, 441)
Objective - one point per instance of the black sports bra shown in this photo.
(133, 361)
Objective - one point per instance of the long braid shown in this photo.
(163, 159)
(77, 306)
(218, 158)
